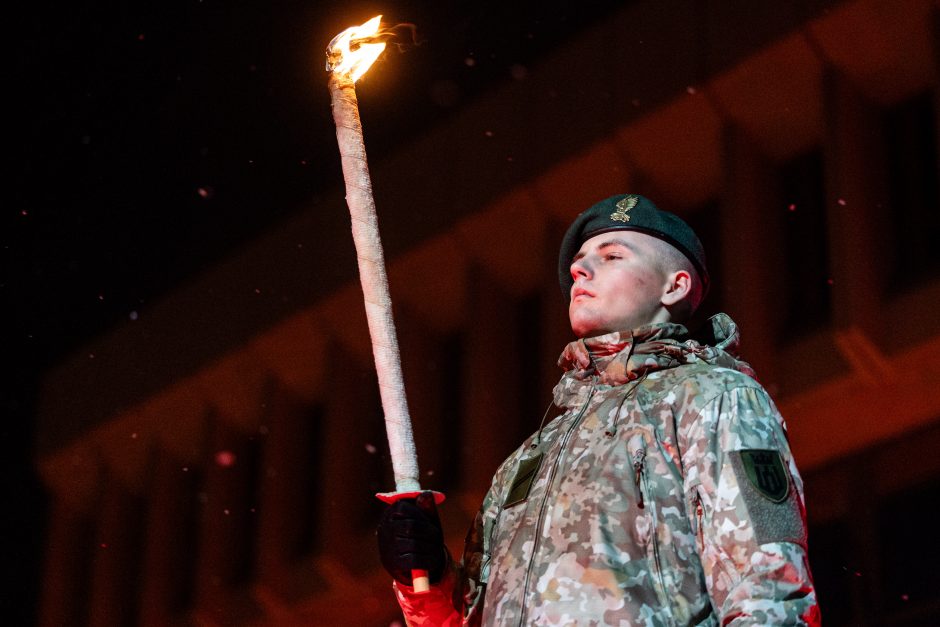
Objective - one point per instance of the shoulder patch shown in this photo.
(765, 471)
(773, 507)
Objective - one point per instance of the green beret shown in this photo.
(629, 212)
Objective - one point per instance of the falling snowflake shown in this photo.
(225, 458)
(370, 448)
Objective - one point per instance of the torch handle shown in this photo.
(378, 302)
(420, 581)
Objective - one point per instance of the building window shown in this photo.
(244, 515)
(909, 554)
(448, 375)
(376, 459)
(912, 209)
(835, 573)
(308, 510)
(182, 594)
(530, 349)
(805, 275)
(874, 556)
(79, 583)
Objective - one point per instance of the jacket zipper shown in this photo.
(639, 466)
(548, 487)
(639, 456)
(699, 516)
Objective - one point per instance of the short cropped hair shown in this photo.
(671, 260)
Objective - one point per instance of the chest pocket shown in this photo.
(522, 482)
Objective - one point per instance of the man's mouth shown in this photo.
(580, 291)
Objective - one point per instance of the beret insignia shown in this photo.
(624, 205)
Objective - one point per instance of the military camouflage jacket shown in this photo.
(664, 494)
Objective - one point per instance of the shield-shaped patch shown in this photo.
(525, 475)
(766, 472)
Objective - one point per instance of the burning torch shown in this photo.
(348, 57)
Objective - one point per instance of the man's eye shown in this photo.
(612, 256)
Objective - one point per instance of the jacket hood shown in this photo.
(618, 357)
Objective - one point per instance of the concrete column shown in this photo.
(855, 191)
(69, 548)
(752, 249)
(427, 372)
(115, 573)
(227, 515)
(168, 561)
(490, 426)
(347, 451)
(291, 473)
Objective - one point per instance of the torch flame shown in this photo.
(341, 59)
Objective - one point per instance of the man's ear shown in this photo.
(678, 286)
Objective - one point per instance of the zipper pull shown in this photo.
(639, 456)
(699, 516)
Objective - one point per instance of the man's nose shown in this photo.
(580, 269)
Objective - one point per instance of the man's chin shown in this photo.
(594, 333)
(587, 328)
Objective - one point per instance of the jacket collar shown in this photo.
(618, 357)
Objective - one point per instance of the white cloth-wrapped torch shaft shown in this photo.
(374, 281)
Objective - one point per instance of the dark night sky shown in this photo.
(152, 141)
(156, 141)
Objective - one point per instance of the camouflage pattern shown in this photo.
(640, 511)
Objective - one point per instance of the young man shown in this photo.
(664, 494)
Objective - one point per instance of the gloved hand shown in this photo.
(410, 537)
